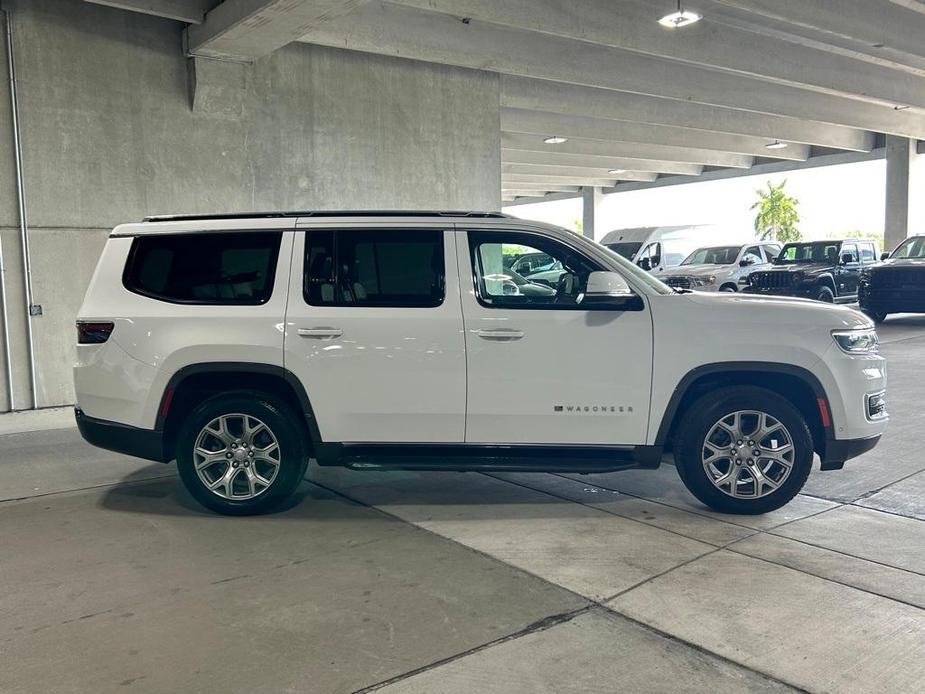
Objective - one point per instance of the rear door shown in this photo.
(849, 273)
(541, 369)
(374, 333)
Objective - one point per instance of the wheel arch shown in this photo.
(195, 383)
(795, 383)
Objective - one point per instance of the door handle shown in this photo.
(321, 333)
(501, 334)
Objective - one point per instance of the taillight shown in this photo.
(89, 333)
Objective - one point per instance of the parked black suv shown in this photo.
(823, 270)
(898, 284)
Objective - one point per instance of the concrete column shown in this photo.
(591, 198)
(905, 190)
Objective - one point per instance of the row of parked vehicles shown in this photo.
(839, 271)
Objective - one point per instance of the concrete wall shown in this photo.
(113, 131)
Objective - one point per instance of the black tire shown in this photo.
(876, 316)
(281, 423)
(825, 294)
(729, 288)
(701, 417)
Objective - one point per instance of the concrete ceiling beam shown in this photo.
(558, 97)
(441, 38)
(876, 29)
(516, 156)
(627, 150)
(542, 123)
(574, 172)
(541, 180)
(509, 187)
(245, 30)
(632, 26)
(189, 11)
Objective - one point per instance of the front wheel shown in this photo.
(744, 450)
(825, 294)
(240, 454)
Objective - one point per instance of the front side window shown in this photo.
(558, 283)
(868, 252)
(235, 268)
(384, 268)
(852, 250)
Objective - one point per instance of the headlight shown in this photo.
(862, 341)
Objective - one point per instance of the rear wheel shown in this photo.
(240, 453)
(744, 450)
(825, 294)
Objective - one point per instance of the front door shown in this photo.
(374, 333)
(542, 369)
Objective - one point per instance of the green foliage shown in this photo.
(777, 216)
(860, 234)
(578, 226)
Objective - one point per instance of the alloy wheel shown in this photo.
(748, 454)
(236, 457)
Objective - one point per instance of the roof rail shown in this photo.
(322, 213)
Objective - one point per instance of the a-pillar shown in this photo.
(905, 191)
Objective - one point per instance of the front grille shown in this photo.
(679, 282)
(899, 277)
(770, 280)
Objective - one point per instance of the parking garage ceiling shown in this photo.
(620, 97)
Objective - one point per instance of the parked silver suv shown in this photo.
(720, 268)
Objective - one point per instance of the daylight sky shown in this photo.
(833, 200)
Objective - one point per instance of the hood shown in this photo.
(806, 268)
(899, 262)
(782, 310)
(694, 270)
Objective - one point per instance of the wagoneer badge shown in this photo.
(593, 409)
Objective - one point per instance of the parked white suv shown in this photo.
(720, 268)
(243, 345)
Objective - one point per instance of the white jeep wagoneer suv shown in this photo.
(243, 345)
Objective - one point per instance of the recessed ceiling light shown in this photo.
(681, 18)
(614, 172)
(555, 140)
(777, 144)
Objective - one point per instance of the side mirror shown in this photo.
(884, 256)
(645, 264)
(774, 260)
(656, 261)
(745, 262)
(847, 258)
(608, 291)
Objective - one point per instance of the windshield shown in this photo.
(818, 252)
(627, 248)
(628, 268)
(718, 255)
(911, 248)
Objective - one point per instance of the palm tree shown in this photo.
(777, 216)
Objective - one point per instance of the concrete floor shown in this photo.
(114, 580)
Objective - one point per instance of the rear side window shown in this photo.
(388, 268)
(868, 255)
(234, 268)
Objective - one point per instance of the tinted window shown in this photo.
(868, 254)
(558, 284)
(204, 268)
(816, 252)
(717, 255)
(374, 268)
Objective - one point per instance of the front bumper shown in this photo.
(121, 438)
(837, 451)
